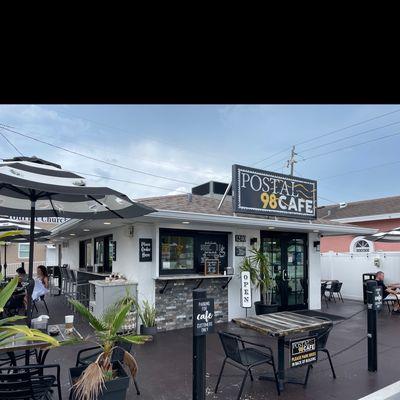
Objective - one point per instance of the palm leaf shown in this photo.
(29, 334)
(93, 321)
(131, 363)
(7, 292)
(136, 339)
(11, 319)
(120, 318)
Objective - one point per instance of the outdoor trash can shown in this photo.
(367, 277)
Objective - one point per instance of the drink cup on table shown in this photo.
(69, 323)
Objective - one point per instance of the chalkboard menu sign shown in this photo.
(303, 351)
(211, 267)
(203, 317)
(240, 251)
(145, 250)
(212, 247)
(240, 238)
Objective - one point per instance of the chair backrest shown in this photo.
(231, 345)
(323, 288)
(24, 385)
(336, 286)
(118, 354)
(322, 334)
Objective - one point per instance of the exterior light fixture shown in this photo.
(185, 222)
(107, 223)
(86, 230)
(72, 234)
(317, 245)
(271, 227)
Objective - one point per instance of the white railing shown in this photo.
(12, 267)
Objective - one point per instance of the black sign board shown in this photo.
(240, 251)
(303, 351)
(203, 317)
(211, 267)
(114, 250)
(377, 305)
(268, 193)
(240, 238)
(212, 247)
(145, 250)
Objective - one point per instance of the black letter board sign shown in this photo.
(268, 193)
(303, 351)
(240, 238)
(240, 251)
(203, 317)
(145, 250)
(211, 267)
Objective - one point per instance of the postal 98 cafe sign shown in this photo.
(263, 192)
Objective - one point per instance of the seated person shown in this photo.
(41, 283)
(387, 290)
(17, 300)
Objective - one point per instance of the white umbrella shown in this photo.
(32, 187)
(389, 236)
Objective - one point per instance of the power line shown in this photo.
(351, 146)
(10, 143)
(328, 134)
(96, 159)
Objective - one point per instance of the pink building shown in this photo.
(382, 214)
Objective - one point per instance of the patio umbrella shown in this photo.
(32, 187)
(389, 236)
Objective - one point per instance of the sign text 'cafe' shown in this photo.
(262, 192)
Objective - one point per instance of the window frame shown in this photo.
(19, 250)
(107, 239)
(196, 235)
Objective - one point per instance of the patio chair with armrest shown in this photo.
(322, 335)
(90, 354)
(323, 291)
(244, 358)
(336, 287)
(29, 382)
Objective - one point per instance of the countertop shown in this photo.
(113, 283)
(93, 273)
(190, 276)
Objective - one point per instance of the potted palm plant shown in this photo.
(147, 314)
(8, 330)
(104, 379)
(260, 275)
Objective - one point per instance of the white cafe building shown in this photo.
(166, 252)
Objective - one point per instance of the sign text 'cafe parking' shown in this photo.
(262, 192)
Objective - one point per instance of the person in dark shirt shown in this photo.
(387, 290)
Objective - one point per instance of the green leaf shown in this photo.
(7, 292)
(136, 339)
(93, 321)
(27, 334)
(120, 318)
(11, 319)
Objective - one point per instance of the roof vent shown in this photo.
(342, 205)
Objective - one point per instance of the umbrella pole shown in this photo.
(31, 255)
(5, 261)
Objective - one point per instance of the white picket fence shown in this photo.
(12, 267)
(349, 268)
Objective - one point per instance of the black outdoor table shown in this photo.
(281, 325)
(43, 347)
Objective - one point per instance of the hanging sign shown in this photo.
(303, 351)
(203, 317)
(268, 193)
(145, 250)
(246, 289)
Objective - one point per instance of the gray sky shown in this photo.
(194, 144)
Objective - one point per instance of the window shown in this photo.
(185, 251)
(361, 245)
(23, 250)
(85, 253)
(103, 253)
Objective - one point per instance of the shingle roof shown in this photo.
(385, 205)
(208, 205)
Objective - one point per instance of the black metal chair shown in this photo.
(336, 287)
(323, 291)
(84, 359)
(322, 338)
(29, 382)
(244, 358)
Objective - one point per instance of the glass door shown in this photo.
(287, 256)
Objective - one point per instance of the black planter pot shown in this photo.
(148, 330)
(114, 390)
(265, 308)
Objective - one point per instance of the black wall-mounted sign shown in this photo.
(240, 238)
(261, 192)
(114, 250)
(303, 351)
(211, 267)
(145, 250)
(240, 251)
(203, 317)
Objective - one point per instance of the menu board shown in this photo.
(212, 247)
(145, 250)
(211, 267)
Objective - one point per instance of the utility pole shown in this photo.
(292, 161)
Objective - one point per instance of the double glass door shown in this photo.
(287, 256)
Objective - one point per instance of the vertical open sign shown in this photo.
(246, 289)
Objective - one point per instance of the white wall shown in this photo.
(349, 267)
(314, 274)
